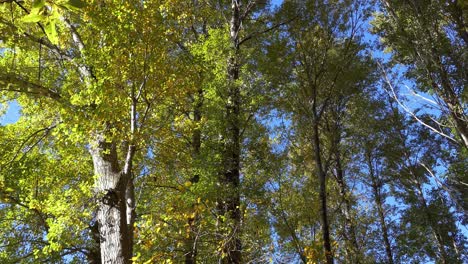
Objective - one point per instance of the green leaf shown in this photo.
(32, 18)
(76, 3)
(38, 4)
(51, 32)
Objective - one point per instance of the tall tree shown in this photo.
(77, 71)
(429, 37)
(323, 52)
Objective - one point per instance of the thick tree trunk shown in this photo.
(378, 199)
(112, 209)
(322, 191)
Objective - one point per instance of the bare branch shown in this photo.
(393, 94)
(257, 33)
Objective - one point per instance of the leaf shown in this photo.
(137, 257)
(76, 3)
(38, 4)
(32, 18)
(51, 32)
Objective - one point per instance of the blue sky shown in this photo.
(13, 111)
(276, 2)
(12, 114)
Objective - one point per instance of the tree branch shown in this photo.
(393, 94)
(257, 33)
(16, 83)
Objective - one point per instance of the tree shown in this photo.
(76, 72)
(323, 52)
(204, 131)
(429, 37)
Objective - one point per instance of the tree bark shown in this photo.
(94, 253)
(130, 213)
(432, 225)
(112, 210)
(349, 226)
(229, 203)
(378, 200)
(191, 242)
(323, 190)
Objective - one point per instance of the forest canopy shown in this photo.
(241, 131)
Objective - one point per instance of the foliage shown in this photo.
(144, 91)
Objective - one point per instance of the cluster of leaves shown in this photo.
(155, 74)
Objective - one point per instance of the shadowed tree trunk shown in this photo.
(229, 203)
(191, 242)
(378, 200)
(432, 225)
(94, 254)
(322, 181)
(350, 235)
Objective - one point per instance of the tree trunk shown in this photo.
(130, 213)
(94, 253)
(112, 209)
(323, 190)
(376, 189)
(432, 225)
(191, 242)
(230, 177)
(349, 226)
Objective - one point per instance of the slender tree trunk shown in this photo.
(376, 189)
(322, 191)
(433, 226)
(111, 215)
(350, 229)
(130, 213)
(383, 225)
(456, 11)
(456, 111)
(191, 243)
(455, 248)
(230, 177)
(452, 101)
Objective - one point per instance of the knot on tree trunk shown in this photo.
(111, 198)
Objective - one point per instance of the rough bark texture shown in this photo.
(111, 215)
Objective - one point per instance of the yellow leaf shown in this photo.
(135, 258)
